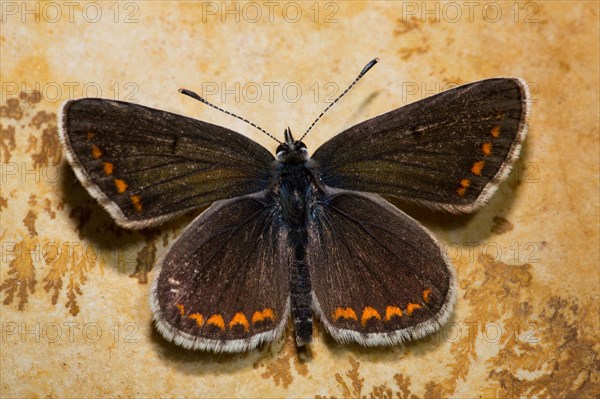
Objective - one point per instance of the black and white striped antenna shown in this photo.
(360, 75)
(202, 100)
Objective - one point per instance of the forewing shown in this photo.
(224, 284)
(449, 151)
(378, 277)
(146, 165)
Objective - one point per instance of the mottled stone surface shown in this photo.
(74, 287)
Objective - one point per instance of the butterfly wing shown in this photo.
(378, 277)
(449, 151)
(224, 284)
(146, 165)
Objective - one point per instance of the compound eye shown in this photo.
(300, 145)
(280, 151)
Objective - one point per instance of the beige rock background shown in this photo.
(75, 319)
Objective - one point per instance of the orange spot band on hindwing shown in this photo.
(181, 308)
(367, 314)
(136, 200)
(411, 307)
(121, 185)
(266, 313)
(486, 148)
(216, 320)
(108, 168)
(198, 317)
(239, 318)
(346, 313)
(90, 136)
(495, 132)
(96, 152)
(392, 311)
(477, 168)
(427, 295)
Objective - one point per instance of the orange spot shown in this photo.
(121, 185)
(96, 153)
(90, 135)
(427, 295)
(239, 318)
(411, 307)
(464, 183)
(486, 148)
(266, 313)
(346, 313)
(495, 131)
(136, 200)
(108, 168)
(180, 307)
(499, 115)
(477, 167)
(369, 313)
(198, 317)
(392, 311)
(216, 320)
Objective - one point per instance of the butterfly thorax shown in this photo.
(293, 180)
(293, 189)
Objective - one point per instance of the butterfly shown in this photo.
(293, 235)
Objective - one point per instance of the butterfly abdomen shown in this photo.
(300, 288)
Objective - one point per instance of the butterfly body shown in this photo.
(296, 189)
(288, 237)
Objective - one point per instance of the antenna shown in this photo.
(202, 100)
(360, 75)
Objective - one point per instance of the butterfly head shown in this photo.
(291, 151)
